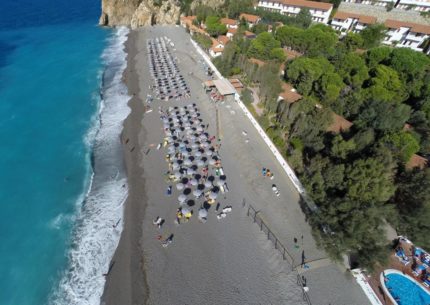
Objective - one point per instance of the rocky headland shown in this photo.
(137, 13)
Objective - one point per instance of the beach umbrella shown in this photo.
(213, 195)
(220, 182)
(177, 175)
(203, 213)
(197, 193)
(186, 212)
(193, 182)
(182, 198)
(194, 146)
(175, 165)
(212, 162)
(208, 184)
(188, 162)
(185, 153)
(200, 163)
(209, 152)
(180, 186)
(190, 171)
(198, 154)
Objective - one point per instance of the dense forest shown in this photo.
(357, 177)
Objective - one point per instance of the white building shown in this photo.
(418, 5)
(320, 11)
(373, 2)
(406, 34)
(346, 22)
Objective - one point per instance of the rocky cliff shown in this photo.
(137, 13)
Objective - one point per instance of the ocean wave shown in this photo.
(98, 222)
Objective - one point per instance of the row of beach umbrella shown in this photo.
(168, 81)
(192, 157)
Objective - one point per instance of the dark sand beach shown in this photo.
(125, 283)
(226, 261)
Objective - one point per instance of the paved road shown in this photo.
(231, 262)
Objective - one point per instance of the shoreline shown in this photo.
(125, 284)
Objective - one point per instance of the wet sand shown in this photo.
(125, 283)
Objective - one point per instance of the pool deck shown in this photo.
(396, 264)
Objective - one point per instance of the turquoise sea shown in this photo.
(61, 178)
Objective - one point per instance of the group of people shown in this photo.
(194, 165)
(168, 81)
(267, 173)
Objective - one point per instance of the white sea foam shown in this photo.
(99, 217)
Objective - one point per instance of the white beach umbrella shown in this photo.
(197, 193)
(212, 162)
(200, 163)
(209, 152)
(220, 182)
(177, 175)
(175, 165)
(203, 213)
(198, 154)
(213, 195)
(182, 198)
(180, 186)
(208, 184)
(193, 182)
(188, 162)
(186, 212)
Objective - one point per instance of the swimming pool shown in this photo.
(406, 289)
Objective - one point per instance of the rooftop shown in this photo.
(232, 31)
(224, 87)
(249, 18)
(414, 27)
(305, 3)
(339, 124)
(291, 54)
(223, 39)
(249, 34)
(381, 14)
(416, 161)
(289, 94)
(256, 61)
(228, 21)
(361, 18)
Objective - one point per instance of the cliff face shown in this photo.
(147, 13)
(211, 3)
(137, 13)
(118, 12)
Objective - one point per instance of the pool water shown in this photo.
(408, 291)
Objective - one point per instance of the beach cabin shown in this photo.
(229, 23)
(250, 19)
